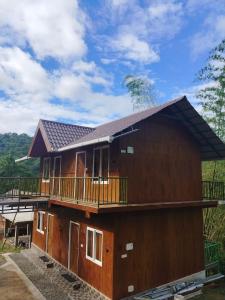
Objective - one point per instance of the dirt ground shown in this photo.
(13, 285)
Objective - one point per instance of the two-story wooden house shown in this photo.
(125, 206)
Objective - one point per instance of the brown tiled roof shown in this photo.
(60, 134)
(211, 146)
(114, 127)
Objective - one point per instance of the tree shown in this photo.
(141, 91)
(212, 97)
(212, 101)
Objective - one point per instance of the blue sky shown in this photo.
(66, 60)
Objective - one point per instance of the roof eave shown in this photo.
(107, 139)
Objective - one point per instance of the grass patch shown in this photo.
(2, 260)
(9, 248)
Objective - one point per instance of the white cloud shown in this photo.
(30, 91)
(20, 74)
(209, 36)
(51, 28)
(133, 48)
(165, 18)
(140, 28)
(120, 2)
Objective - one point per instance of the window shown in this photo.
(46, 169)
(94, 242)
(101, 162)
(40, 223)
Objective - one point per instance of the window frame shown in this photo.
(94, 259)
(41, 229)
(95, 179)
(43, 171)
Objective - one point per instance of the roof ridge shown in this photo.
(67, 124)
(144, 110)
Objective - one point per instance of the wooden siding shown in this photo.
(38, 237)
(101, 277)
(165, 166)
(168, 245)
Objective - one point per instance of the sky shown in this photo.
(66, 60)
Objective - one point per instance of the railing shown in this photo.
(212, 257)
(89, 190)
(213, 190)
(14, 187)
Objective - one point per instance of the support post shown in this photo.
(16, 235)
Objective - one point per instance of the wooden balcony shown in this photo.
(98, 193)
(77, 190)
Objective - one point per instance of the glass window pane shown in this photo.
(46, 168)
(90, 243)
(105, 162)
(96, 162)
(98, 246)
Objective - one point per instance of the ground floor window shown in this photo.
(94, 243)
(40, 222)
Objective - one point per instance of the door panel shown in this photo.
(56, 175)
(74, 247)
(80, 173)
(50, 237)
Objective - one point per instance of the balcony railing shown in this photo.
(90, 190)
(22, 187)
(213, 190)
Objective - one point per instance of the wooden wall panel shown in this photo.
(101, 277)
(168, 245)
(165, 166)
(38, 238)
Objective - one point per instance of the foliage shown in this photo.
(13, 146)
(212, 97)
(141, 91)
(212, 101)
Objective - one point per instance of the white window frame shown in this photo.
(93, 259)
(44, 160)
(40, 214)
(95, 180)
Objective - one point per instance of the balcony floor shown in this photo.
(13, 204)
(109, 208)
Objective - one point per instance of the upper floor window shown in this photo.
(94, 244)
(101, 162)
(46, 169)
(40, 221)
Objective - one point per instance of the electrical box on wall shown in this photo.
(130, 150)
(130, 288)
(129, 246)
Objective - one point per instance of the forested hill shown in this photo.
(13, 146)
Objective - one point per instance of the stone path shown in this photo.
(14, 284)
(50, 281)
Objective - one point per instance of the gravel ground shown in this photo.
(49, 290)
(52, 280)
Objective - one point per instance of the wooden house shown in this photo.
(125, 199)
